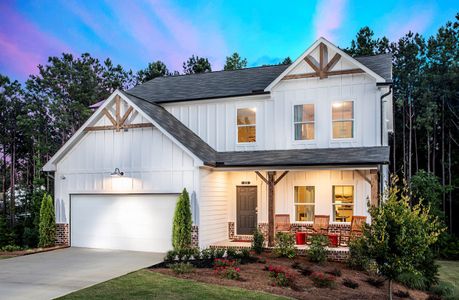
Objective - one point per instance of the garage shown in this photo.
(125, 222)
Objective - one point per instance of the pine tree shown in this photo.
(47, 226)
(181, 231)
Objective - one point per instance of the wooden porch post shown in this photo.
(271, 183)
(271, 210)
(374, 182)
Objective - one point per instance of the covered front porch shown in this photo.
(234, 203)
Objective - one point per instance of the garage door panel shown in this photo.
(128, 222)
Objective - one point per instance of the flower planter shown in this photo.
(300, 238)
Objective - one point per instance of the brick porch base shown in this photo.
(62, 234)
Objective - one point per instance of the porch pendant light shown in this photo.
(117, 173)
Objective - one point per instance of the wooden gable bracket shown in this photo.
(322, 69)
(118, 122)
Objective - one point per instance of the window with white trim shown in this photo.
(343, 120)
(343, 203)
(304, 203)
(303, 122)
(246, 125)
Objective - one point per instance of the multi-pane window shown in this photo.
(343, 120)
(303, 121)
(246, 125)
(343, 203)
(304, 203)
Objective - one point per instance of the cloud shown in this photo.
(23, 46)
(409, 21)
(328, 18)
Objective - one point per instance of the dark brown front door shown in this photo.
(246, 209)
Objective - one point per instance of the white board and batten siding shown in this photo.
(215, 120)
(151, 163)
(213, 206)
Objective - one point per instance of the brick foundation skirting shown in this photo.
(195, 236)
(62, 234)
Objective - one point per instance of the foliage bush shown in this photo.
(181, 268)
(285, 245)
(317, 252)
(335, 272)
(231, 253)
(258, 241)
(412, 280)
(181, 229)
(322, 280)
(208, 253)
(227, 268)
(350, 283)
(6, 236)
(281, 276)
(358, 258)
(47, 225)
(11, 248)
(443, 289)
(447, 246)
(400, 236)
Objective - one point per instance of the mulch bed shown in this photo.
(254, 277)
(30, 251)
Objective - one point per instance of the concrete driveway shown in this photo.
(52, 274)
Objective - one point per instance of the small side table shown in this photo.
(333, 239)
(301, 238)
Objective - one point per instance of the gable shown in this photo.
(323, 60)
(118, 115)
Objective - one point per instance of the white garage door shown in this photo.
(126, 222)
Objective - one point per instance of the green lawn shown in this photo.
(449, 272)
(144, 284)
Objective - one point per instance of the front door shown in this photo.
(246, 209)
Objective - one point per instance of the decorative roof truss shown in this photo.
(118, 121)
(323, 68)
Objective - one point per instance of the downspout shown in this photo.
(381, 182)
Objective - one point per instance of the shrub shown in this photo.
(227, 268)
(170, 255)
(258, 241)
(412, 280)
(47, 225)
(285, 245)
(11, 248)
(402, 294)
(443, 289)
(358, 259)
(219, 253)
(181, 268)
(231, 253)
(335, 272)
(208, 254)
(280, 276)
(375, 281)
(322, 280)
(181, 230)
(317, 252)
(350, 283)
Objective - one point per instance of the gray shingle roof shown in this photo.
(380, 64)
(242, 82)
(305, 157)
(297, 157)
(208, 85)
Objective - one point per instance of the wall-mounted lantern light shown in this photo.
(117, 173)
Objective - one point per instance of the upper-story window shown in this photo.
(303, 121)
(246, 125)
(343, 120)
(343, 203)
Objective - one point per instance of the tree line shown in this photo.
(39, 116)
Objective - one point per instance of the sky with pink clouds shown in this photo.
(133, 33)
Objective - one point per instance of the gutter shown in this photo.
(381, 110)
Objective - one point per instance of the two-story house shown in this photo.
(305, 139)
